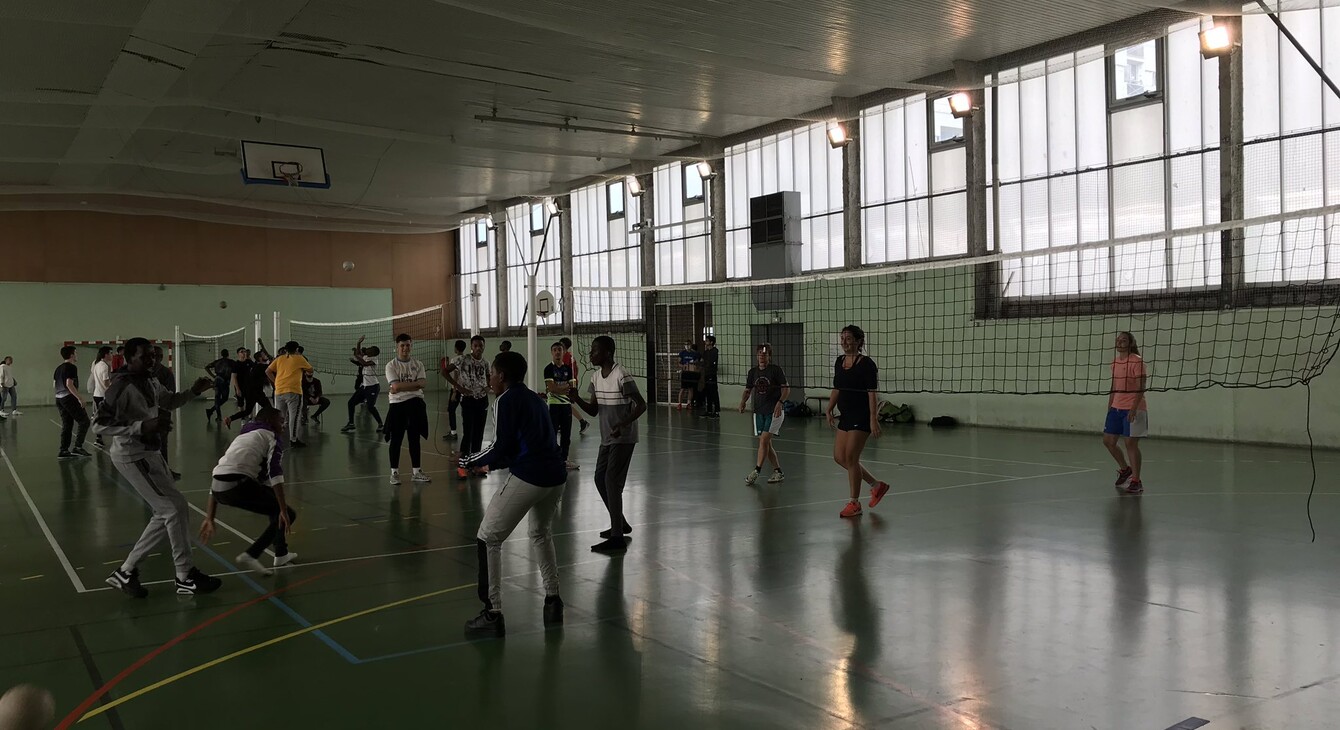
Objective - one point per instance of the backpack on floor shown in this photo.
(944, 422)
(890, 413)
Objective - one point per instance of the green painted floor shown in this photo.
(1002, 585)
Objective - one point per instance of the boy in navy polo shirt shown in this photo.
(525, 444)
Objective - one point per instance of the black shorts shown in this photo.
(689, 381)
(854, 418)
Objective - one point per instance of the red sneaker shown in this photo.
(1123, 475)
(1135, 487)
(853, 509)
(877, 493)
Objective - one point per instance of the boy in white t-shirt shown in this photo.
(9, 388)
(408, 413)
(100, 379)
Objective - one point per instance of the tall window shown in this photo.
(478, 267)
(1090, 146)
(914, 181)
(802, 161)
(606, 253)
(683, 233)
(1285, 97)
(531, 238)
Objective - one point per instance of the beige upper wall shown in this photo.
(72, 246)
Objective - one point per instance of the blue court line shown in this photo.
(304, 623)
(297, 617)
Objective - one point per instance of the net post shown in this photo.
(274, 335)
(1231, 201)
(176, 348)
(256, 327)
(531, 334)
(474, 309)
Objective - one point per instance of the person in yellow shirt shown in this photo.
(286, 373)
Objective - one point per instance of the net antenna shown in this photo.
(328, 346)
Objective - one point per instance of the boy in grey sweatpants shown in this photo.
(136, 415)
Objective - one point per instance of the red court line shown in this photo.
(88, 702)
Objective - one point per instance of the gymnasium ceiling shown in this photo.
(138, 105)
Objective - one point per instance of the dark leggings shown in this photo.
(474, 414)
(324, 403)
(397, 438)
(453, 403)
(711, 397)
(251, 400)
(220, 396)
(252, 496)
(368, 396)
(561, 415)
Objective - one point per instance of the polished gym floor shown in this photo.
(1002, 584)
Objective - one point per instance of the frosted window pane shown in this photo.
(1300, 88)
(1091, 112)
(949, 170)
(1061, 119)
(951, 224)
(1137, 133)
(1260, 76)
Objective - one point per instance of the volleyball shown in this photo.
(27, 707)
(223, 304)
(348, 266)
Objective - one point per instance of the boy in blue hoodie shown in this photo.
(137, 416)
(526, 445)
(250, 477)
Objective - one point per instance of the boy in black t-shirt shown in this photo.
(768, 384)
(70, 404)
(558, 381)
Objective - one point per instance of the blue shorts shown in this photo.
(1119, 423)
(767, 423)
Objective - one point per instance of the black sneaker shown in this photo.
(553, 610)
(80, 451)
(611, 547)
(488, 624)
(348, 428)
(127, 583)
(298, 444)
(582, 430)
(64, 454)
(197, 583)
(627, 530)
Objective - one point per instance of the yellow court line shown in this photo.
(256, 647)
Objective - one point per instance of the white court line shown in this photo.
(872, 441)
(685, 521)
(42, 523)
(864, 460)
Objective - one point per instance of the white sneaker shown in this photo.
(753, 477)
(16, 412)
(777, 476)
(395, 479)
(421, 477)
(282, 560)
(252, 564)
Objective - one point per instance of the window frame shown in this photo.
(1114, 104)
(537, 209)
(481, 232)
(685, 170)
(610, 197)
(934, 145)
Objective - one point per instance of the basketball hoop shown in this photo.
(289, 172)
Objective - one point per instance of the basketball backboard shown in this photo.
(279, 164)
